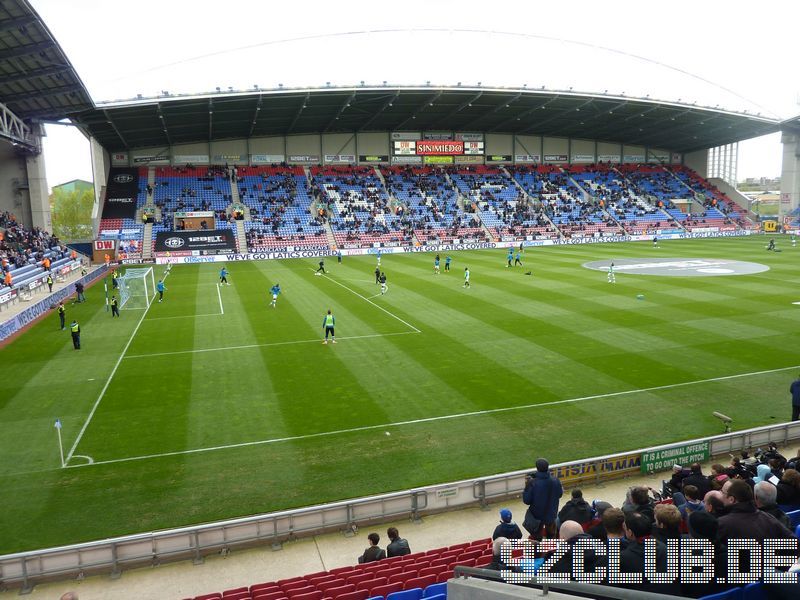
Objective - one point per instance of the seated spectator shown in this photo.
(497, 563)
(631, 560)
(668, 522)
(762, 473)
(765, 495)
(614, 526)
(689, 501)
(397, 546)
(576, 509)
(374, 552)
(744, 520)
(638, 501)
(570, 532)
(507, 528)
(714, 503)
(676, 481)
(697, 479)
(704, 526)
(595, 526)
(789, 488)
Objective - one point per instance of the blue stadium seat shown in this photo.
(794, 518)
(415, 594)
(732, 594)
(435, 590)
(755, 591)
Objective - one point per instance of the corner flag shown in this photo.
(57, 424)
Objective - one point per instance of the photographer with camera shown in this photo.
(542, 492)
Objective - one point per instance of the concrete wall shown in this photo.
(13, 173)
(582, 151)
(634, 154)
(39, 197)
(530, 145)
(339, 143)
(496, 143)
(609, 152)
(790, 172)
(551, 145)
(697, 161)
(233, 152)
(268, 145)
(304, 145)
(373, 143)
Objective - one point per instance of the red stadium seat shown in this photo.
(470, 554)
(402, 577)
(315, 595)
(358, 578)
(419, 582)
(357, 595)
(235, 591)
(339, 590)
(215, 596)
(388, 572)
(442, 561)
(289, 580)
(264, 587)
(459, 546)
(445, 576)
(245, 595)
(340, 570)
(431, 570)
(385, 590)
(267, 595)
(371, 585)
(324, 586)
(297, 592)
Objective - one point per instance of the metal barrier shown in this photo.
(111, 555)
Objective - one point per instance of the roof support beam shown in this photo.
(255, 116)
(379, 112)
(463, 105)
(44, 72)
(163, 123)
(210, 117)
(12, 128)
(345, 104)
(427, 102)
(502, 105)
(558, 115)
(116, 130)
(297, 114)
(45, 93)
(26, 50)
(522, 115)
(17, 22)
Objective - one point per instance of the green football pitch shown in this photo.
(212, 404)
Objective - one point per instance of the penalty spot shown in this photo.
(387, 433)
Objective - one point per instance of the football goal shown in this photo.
(137, 288)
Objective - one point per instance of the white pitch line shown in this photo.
(184, 317)
(219, 295)
(108, 381)
(314, 341)
(406, 323)
(433, 419)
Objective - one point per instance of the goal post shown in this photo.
(137, 288)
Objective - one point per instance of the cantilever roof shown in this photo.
(37, 81)
(200, 118)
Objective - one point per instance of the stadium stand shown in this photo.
(358, 207)
(26, 254)
(280, 209)
(429, 205)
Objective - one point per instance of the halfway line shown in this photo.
(432, 419)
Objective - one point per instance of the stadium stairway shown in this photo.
(522, 190)
(241, 237)
(697, 207)
(147, 241)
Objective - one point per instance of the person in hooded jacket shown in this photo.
(576, 509)
(507, 528)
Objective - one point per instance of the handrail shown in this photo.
(107, 556)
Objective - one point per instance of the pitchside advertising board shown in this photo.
(121, 192)
(217, 241)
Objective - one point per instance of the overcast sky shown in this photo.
(735, 54)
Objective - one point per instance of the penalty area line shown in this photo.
(352, 291)
(432, 419)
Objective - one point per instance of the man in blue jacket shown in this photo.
(795, 390)
(542, 492)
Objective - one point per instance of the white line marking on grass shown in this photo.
(184, 317)
(314, 341)
(219, 295)
(108, 381)
(439, 418)
(406, 323)
(795, 302)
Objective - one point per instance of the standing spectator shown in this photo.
(795, 390)
(765, 495)
(374, 552)
(397, 546)
(79, 290)
(507, 528)
(541, 494)
(576, 509)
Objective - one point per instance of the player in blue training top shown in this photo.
(160, 289)
(447, 260)
(436, 265)
(223, 276)
(517, 259)
(510, 257)
(275, 290)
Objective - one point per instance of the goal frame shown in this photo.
(148, 286)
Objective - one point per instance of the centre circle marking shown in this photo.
(678, 267)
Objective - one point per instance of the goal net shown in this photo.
(137, 288)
